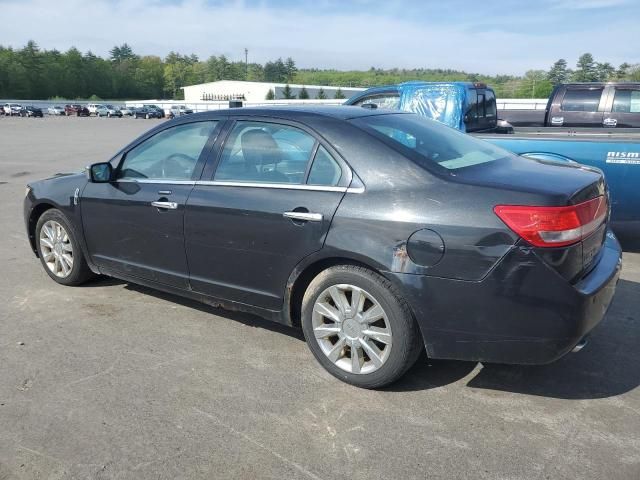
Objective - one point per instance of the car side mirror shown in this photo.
(100, 172)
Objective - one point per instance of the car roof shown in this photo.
(340, 112)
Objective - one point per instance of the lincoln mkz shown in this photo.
(380, 233)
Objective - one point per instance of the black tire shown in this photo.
(80, 271)
(407, 339)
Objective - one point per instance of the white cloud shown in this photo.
(336, 40)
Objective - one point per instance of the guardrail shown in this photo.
(202, 106)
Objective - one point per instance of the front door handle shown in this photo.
(165, 205)
(610, 122)
(304, 216)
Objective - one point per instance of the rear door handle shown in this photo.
(304, 216)
(610, 122)
(165, 205)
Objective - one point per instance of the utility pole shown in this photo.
(246, 64)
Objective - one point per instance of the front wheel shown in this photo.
(59, 250)
(358, 327)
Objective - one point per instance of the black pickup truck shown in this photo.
(608, 105)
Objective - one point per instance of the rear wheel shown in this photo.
(358, 327)
(59, 250)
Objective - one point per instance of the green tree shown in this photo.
(121, 53)
(31, 60)
(605, 71)
(256, 72)
(338, 94)
(287, 93)
(275, 71)
(303, 94)
(270, 95)
(586, 70)
(558, 73)
(73, 80)
(623, 71)
(321, 95)
(149, 77)
(290, 69)
(534, 85)
(633, 74)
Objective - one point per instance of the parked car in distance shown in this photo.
(55, 110)
(179, 111)
(76, 109)
(12, 109)
(93, 108)
(126, 111)
(144, 112)
(31, 111)
(594, 104)
(379, 233)
(158, 109)
(108, 111)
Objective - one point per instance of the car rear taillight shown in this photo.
(554, 226)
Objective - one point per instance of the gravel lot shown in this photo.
(112, 380)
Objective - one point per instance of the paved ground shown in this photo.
(112, 380)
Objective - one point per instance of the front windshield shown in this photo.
(430, 143)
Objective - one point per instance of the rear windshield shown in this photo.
(429, 143)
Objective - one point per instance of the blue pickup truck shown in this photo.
(471, 107)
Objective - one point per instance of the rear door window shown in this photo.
(265, 152)
(325, 169)
(581, 100)
(626, 101)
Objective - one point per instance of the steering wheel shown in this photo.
(182, 163)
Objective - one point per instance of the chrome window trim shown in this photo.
(154, 181)
(222, 183)
(281, 186)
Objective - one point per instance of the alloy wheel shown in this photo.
(56, 249)
(352, 329)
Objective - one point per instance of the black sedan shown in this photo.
(31, 111)
(378, 233)
(145, 112)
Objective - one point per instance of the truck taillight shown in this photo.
(554, 226)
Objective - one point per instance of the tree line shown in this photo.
(34, 73)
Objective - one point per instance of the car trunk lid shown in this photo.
(561, 210)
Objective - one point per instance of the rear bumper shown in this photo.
(523, 312)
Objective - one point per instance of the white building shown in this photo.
(253, 92)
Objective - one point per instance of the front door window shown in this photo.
(171, 154)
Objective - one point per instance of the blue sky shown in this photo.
(489, 37)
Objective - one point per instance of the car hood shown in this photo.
(60, 175)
